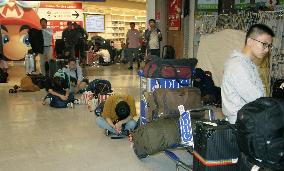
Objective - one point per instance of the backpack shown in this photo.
(278, 91)
(260, 131)
(98, 86)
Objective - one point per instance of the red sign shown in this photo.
(174, 14)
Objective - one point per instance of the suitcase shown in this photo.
(90, 58)
(215, 147)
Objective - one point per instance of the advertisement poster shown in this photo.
(17, 16)
(174, 14)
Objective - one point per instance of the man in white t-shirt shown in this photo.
(153, 37)
(47, 45)
(133, 38)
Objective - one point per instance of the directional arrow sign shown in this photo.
(77, 14)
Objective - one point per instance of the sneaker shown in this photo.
(107, 132)
(130, 68)
(77, 101)
(70, 105)
(115, 136)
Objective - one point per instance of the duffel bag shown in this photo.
(169, 68)
(168, 100)
(156, 136)
(260, 126)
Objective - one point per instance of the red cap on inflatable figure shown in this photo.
(13, 14)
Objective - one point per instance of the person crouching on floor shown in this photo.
(117, 116)
(58, 91)
(101, 54)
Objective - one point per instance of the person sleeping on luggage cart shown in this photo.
(75, 74)
(117, 117)
(102, 55)
(57, 87)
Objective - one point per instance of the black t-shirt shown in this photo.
(57, 84)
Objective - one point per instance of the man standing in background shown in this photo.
(47, 45)
(70, 38)
(153, 37)
(133, 38)
(82, 36)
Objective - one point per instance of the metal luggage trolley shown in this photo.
(149, 85)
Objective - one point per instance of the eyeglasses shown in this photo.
(265, 45)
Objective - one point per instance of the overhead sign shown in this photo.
(58, 13)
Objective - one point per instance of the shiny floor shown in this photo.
(34, 137)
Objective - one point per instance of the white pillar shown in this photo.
(150, 10)
(191, 28)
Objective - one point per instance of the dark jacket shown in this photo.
(147, 36)
(36, 40)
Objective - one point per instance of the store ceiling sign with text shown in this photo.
(58, 14)
(174, 14)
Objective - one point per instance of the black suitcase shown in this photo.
(215, 147)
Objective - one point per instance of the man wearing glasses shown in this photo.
(241, 82)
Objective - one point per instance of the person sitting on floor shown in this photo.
(75, 74)
(101, 54)
(58, 91)
(117, 116)
(210, 93)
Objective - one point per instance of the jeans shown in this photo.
(47, 52)
(130, 125)
(155, 52)
(132, 54)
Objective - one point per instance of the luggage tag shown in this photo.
(185, 127)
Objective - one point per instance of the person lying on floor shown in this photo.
(101, 54)
(58, 91)
(117, 116)
(75, 74)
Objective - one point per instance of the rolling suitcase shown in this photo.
(215, 147)
(90, 58)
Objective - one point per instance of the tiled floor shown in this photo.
(34, 137)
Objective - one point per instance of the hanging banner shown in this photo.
(58, 13)
(242, 4)
(174, 14)
(207, 4)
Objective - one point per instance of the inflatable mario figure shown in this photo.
(16, 17)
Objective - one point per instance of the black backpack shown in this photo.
(277, 90)
(98, 86)
(260, 131)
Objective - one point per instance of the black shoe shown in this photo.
(130, 68)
